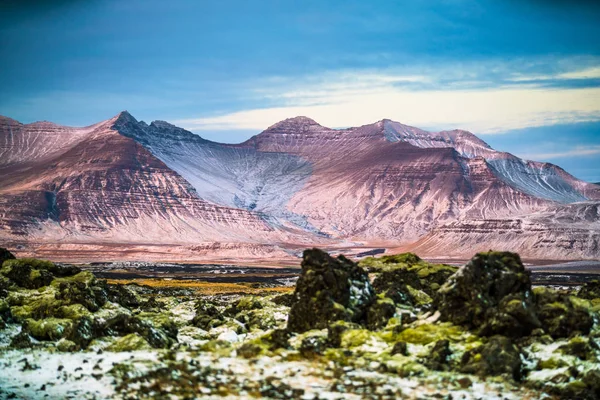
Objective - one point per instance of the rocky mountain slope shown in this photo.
(447, 193)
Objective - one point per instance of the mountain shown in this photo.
(125, 189)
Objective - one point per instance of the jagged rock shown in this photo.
(313, 345)
(4, 286)
(562, 315)
(337, 329)
(207, 316)
(329, 289)
(130, 342)
(403, 277)
(590, 290)
(582, 348)
(491, 294)
(400, 348)
(499, 356)
(5, 255)
(82, 289)
(380, 312)
(122, 295)
(21, 341)
(28, 273)
(437, 359)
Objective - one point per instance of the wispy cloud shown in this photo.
(485, 98)
(580, 151)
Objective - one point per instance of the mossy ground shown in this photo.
(182, 339)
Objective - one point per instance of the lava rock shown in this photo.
(590, 290)
(22, 341)
(380, 312)
(401, 276)
(562, 315)
(27, 273)
(437, 359)
(491, 294)
(499, 356)
(329, 289)
(5, 255)
(207, 316)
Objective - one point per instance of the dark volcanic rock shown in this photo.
(207, 316)
(562, 315)
(329, 289)
(590, 290)
(499, 356)
(28, 273)
(5, 255)
(394, 273)
(438, 358)
(491, 294)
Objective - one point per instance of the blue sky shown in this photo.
(524, 75)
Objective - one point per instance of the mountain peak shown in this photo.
(299, 123)
(124, 116)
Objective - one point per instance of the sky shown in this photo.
(523, 75)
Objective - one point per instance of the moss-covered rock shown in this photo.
(380, 312)
(406, 278)
(590, 290)
(562, 315)
(491, 294)
(49, 328)
(429, 333)
(329, 289)
(28, 273)
(129, 342)
(582, 348)
(5, 255)
(207, 315)
(83, 289)
(22, 341)
(437, 359)
(499, 356)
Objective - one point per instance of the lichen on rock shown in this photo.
(329, 289)
(491, 294)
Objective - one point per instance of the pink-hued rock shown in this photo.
(124, 184)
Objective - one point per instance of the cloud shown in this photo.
(484, 97)
(580, 151)
(478, 110)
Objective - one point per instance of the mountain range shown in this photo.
(125, 189)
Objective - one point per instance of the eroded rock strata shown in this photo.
(383, 328)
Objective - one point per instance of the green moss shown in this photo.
(36, 304)
(32, 262)
(428, 333)
(130, 342)
(49, 328)
(74, 311)
(342, 357)
(419, 297)
(404, 366)
(552, 363)
(65, 345)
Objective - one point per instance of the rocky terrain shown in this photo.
(123, 189)
(388, 327)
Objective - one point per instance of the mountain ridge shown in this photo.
(297, 182)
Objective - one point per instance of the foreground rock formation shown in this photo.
(389, 327)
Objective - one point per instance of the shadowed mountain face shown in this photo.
(384, 184)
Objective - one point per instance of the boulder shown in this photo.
(562, 315)
(406, 278)
(491, 294)
(5, 255)
(499, 356)
(329, 289)
(590, 290)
